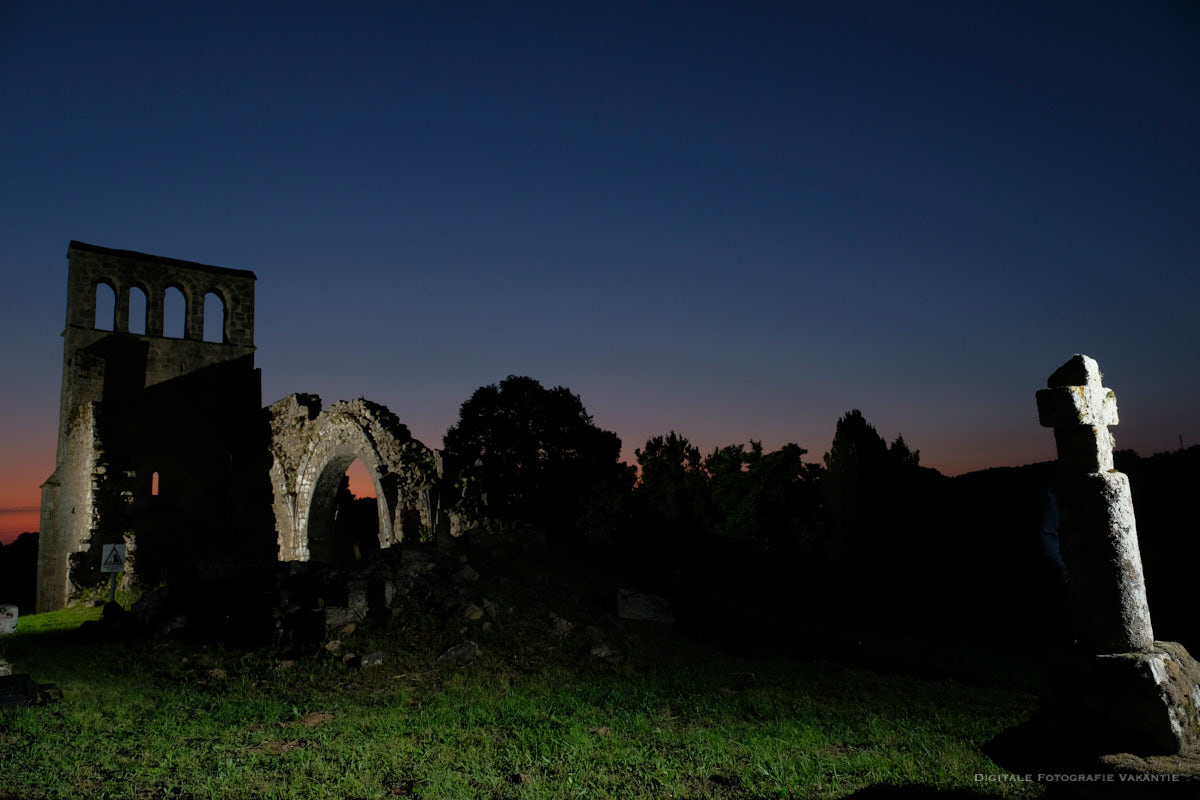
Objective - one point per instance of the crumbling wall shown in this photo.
(125, 269)
(163, 442)
(143, 409)
(290, 425)
(311, 450)
(69, 513)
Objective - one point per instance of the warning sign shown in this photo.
(112, 558)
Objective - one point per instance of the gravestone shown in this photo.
(1117, 690)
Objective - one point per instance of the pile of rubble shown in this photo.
(505, 594)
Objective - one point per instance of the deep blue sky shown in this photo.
(730, 220)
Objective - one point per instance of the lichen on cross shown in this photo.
(1080, 410)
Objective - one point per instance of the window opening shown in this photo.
(214, 318)
(355, 524)
(137, 310)
(106, 308)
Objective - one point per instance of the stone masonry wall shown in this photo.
(311, 451)
(124, 269)
(155, 394)
(163, 442)
(68, 506)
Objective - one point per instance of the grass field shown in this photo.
(533, 719)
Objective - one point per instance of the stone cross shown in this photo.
(1097, 531)
(1079, 410)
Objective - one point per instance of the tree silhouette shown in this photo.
(887, 539)
(521, 452)
(868, 489)
(855, 464)
(771, 498)
(18, 571)
(673, 490)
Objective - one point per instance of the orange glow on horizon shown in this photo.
(361, 484)
(15, 521)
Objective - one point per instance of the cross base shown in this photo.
(1141, 703)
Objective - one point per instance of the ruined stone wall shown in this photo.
(182, 409)
(311, 451)
(125, 269)
(68, 506)
(164, 444)
(290, 421)
(203, 435)
(151, 357)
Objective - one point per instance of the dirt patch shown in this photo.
(314, 718)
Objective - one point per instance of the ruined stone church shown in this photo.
(164, 444)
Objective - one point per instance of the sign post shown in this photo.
(112, 561)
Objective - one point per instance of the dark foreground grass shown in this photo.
(146, 720)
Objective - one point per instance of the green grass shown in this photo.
(63, 620)
(143, 720)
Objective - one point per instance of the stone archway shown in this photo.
(317, 486)
(311, 450)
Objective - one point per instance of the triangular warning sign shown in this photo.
(114, 558)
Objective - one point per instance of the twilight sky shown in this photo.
(731, 220)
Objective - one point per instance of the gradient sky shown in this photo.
(730, 220)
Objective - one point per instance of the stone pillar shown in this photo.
(121, 323)
(193, 325)
(1097, 531)
(51, 591)
(154, 311)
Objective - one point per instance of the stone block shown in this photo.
(381, 593)
(460, 654)
(645, 607)
(8, 619)
(337, 617)
(465, 575)
(1141, 703)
